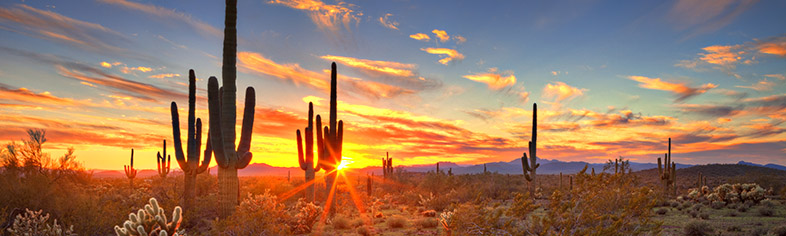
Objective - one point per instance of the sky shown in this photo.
(426, 81)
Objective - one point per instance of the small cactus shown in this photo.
(163, 162)
(151, 220)
(130, 171)
(35, 223)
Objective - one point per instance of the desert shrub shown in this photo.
(424, 223)
(396, 222)
(742, 208)
(341, 222)
(307, 214)
(779, 230)
(758, 232)
(674, 204)
(698, 228)
(661, 211)
(731, 214)
(34, 223)
(364, 231)
(478, 218)
(257, 215)
(717, 205)
(766, 211)
(704, 216)
(521, 207)
(625, 209)
(686, 205)
(693, 213)
(734, 228)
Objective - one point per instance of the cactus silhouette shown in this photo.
(163, 162)
(387, 165)
(130, 171)
(307, 161)
(223, 114)
(668, 173)
(529, 166)
(330, 141)
(189, 162)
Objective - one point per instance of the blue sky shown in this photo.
(611, 78)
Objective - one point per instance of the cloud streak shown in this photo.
(447, 54)
(390, 24)
(326, 16)
(168, 14)
(680, 90)
(494, 79)
(562, 91)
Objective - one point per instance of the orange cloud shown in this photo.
(421, 37)
(494, 79)
(162, 12)
(386, 67)
(256, 63)
(460, 39)
(385, 21)
(562, 91)
(162, 76)
(325, 16)
(24, 95)
(774, 46)
(722, 55)
(681, 90)
(777, 76)
(762, 85)
(441, 35)
(448, 54)
(142, 91)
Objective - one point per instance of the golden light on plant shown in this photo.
(345, 161)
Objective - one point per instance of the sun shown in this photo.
(345, 161)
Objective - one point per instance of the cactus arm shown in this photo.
(339, 141)
(214, 110)
(207, 155)
(584, 170)
(190, 148)
(179, 156)
(244, 147)
(300, 159)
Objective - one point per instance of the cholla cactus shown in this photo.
(151, 220)
(425, 200)
(34, 223)
(307, 214)
(446, 219)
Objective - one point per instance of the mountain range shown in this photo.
(510, 167)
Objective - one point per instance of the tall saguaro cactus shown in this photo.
(307, 162)
(223, 116)
(189, 162)
(330, 141)
(163, 162)
(387, 166)
(130, 171)
(529, 166)
(668, 173)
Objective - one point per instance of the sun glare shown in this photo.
(345, 161)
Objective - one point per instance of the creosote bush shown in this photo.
(341, 222)
(396, 222)
(259, 214)
(698, 228)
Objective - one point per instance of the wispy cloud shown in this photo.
(777, 76)
(726, 58)
(494, 79)
(421, 37)
(162, 76)
(773, 46)
(447, 54)
(24, 95)
(257, 63)
(327, 17)
(680, 90)
(700, 17)
(385, 67)
(169, 14)
(387, 22)
(762, 85)
(562, 91)
(58, 28)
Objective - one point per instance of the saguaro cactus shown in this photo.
(223, 116)
(484, 168)
(189, 162)
(529, 166)
(668, 173)
(383, 162)
(130, 171)
(163, 162)
(331, 140)
(387, 166)
(369, 183)
(307, 162)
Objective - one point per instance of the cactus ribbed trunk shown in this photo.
(228, 190)
(330, 145)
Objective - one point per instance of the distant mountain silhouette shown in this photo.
(510, 167)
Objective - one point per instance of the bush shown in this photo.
(766, 211)
(307, 214)
(717, 205)
(661, 211)
(698, 228)
(742, 208)
(758, 232)
(341, 222)
(396, 222)
(365, 231)
(425, 223)
(779, 231)
(521, 207)
(33, 223)
(704, 216)
(734, 228)
(257, 215)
